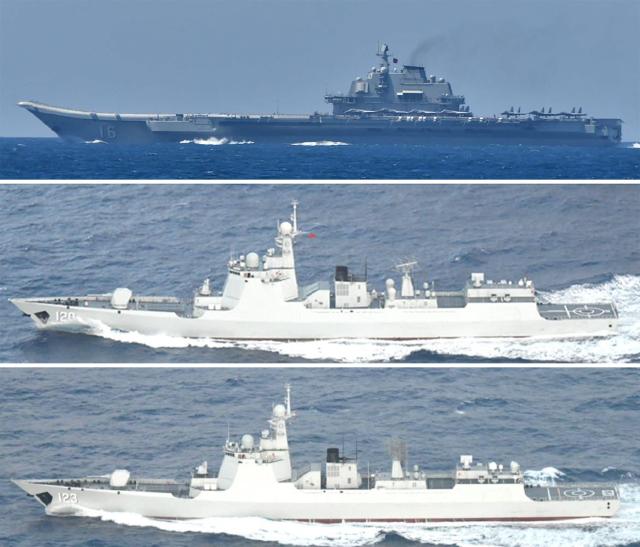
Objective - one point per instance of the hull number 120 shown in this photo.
(65, 316)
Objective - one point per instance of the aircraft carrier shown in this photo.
(257, 479)
(392, 103)
(261, 299)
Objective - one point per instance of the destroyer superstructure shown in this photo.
(257, 479)
(393, 103)
(261, 299)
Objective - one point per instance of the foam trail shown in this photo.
(96, 141)
(213, 141)
(623, 529)
(621, 347)
(254, 528)
(320, 143)
(635, 145)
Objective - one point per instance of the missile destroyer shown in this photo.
(257, 480)
(391, 104)
(261, 299)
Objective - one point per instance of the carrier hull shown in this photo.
(84, 126)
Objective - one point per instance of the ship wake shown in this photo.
(320, 143)
(213, 141)
(623, 529)
(622, 347)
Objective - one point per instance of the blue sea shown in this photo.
(559, 424)
(42, 158)
(578, 243)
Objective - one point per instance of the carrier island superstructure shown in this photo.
(256, 479)
(391, 104)
(261, 299)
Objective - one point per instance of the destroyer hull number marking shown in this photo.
(65, 316)
(67, 497)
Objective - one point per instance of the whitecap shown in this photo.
(547, 476)
(95, 141)
(213, 141)
(320, 143)
(635, 145)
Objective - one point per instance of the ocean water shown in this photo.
(559, 424)
(30, 158)
(578, 243)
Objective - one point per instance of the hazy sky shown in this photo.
(283, 55)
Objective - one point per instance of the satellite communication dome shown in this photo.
(389, 283)
(286, 228)
(247, 442)
(279, 411)
(253, 260)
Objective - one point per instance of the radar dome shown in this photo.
(286, 228)
(253, 260)
(279, 411)
(389, 283)
(247, 442)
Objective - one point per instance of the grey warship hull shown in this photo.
(85, 126)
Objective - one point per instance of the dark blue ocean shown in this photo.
(578, 243)
(29, 158)
(576, 424)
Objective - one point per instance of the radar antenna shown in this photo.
(287, 399)
(294, 225)
(383, 53)
(407, 268)
(398, 449)
(294, 216)
(398, 452)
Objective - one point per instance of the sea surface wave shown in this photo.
(42, 158)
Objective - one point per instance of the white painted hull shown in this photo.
(284, 502)
(292, 321)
